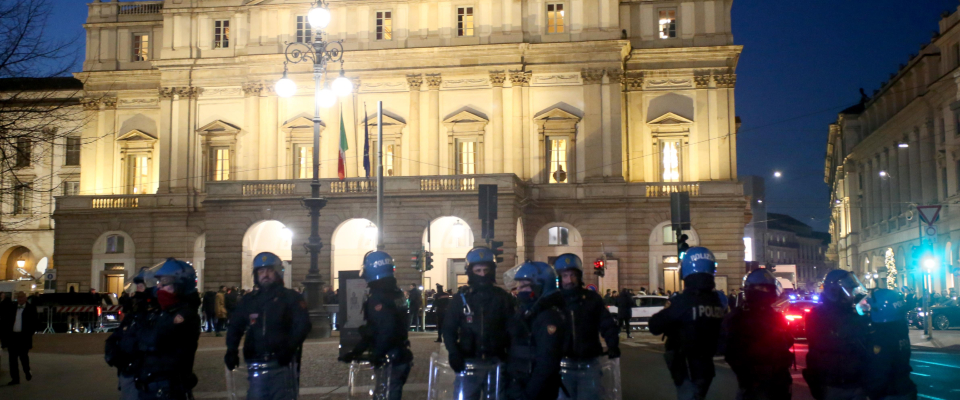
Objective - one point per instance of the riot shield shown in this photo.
(598, 378)
(479, 381)
(237, 384)
(367, 382)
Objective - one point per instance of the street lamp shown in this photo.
(21, 262)
(320, 52)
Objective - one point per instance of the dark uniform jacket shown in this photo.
(691, 322)
(837, 339)
(624, 307)
(757, 342)
(121, 348)
(887, 371)
(537, 337)
(384, 332)
(167, 343)
(587, 318)
(29, 321)
(475, 328)
(275, 321)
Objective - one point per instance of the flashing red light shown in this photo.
(806, 310)
(99, 311)
(792, 317)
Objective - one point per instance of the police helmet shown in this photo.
(842, 286)
(568, 261)
(761, 280)
(178, 273)
(886, 306)
(480, 255)
(541, 274)
(697, 260)
(266, 260)
(377, 265)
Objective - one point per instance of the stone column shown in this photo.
(903, 175)
(431, 152)
(270, 165)
(590, 141)
(916, 186)
(612, 125)
(106, 151)
(852, 191)
(249, 142)
(518, 79)
(878, 203)
(868, 200)
(166, 138)
(894, 182)
(413, 126)
(88, 147)
(885, 185)
(635, 137)
(496, 139)
(928, 163)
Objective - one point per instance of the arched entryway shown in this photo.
(450, 238)
(114, 261)
(664, 263)
(352, 240)
(267, 235)
(17, 259)
(557, 238)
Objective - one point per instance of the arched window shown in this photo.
(558, 236)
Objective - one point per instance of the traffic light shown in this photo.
(428, 257)
(497, 248)
(416, 259)
(682, 246)
(598, 267)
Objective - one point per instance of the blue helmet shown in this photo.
(887, 306)
(266, 260)
(842, 286)
(542, 275)
(762, 280)
(481, 255)
(697, 260)
(181, 274)
(377, 265)
(568, 261)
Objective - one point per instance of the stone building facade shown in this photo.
(196, 157)
(894, 151)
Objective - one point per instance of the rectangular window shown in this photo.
(71, 188)
(24, 152)
(668, 23)
(670, 155)
(221, 34)
(304, 31)
(464, 21)
(388, 159)
(220, 163)
(73, 151)
(466, 157)
(557, 157)
(384, 25)
(555, 20)
(141, 47)
(138, 174)
(304, 166)
(943, 181)
(114, 244)
(21, 199)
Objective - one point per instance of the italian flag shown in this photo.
(342, 164)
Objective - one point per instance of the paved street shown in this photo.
(72, 367)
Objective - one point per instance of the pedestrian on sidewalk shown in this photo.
(625, 310)
(19, 324)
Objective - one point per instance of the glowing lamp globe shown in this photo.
(342, 86)
(326, 98)
(286, 87)
(319, 18)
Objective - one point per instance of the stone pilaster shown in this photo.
(592, 143)
(518, 79)
(432, 148)
(496, 136)
(412, 166)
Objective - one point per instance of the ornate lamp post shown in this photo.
(319, 52)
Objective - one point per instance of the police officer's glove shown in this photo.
(232, 360)
(457, 362)
(613, 353)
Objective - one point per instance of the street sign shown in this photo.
(592, 287)
(929, 214)
(930, 232)
(50, 275)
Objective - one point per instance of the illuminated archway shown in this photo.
(450, 239)
(352, 240)
(267, 235)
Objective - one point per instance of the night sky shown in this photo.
(803, 61)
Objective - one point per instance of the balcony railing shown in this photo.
(134, 11)
(268, 189)
(448, 184)
(664, 189)
(141, 8)
(364, 186)
(116, 202)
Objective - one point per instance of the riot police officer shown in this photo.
(837, 339)
(167, 340)
(537, 335)
(757, 341)
(276, 323)
(691, 322)
(384, 332)
(887, 373)
(120, 350)
(587, 318)
(475, 322)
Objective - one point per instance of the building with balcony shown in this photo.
(894, 151)
(791, 242)
(189, 152)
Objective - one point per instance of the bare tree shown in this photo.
(40, 108)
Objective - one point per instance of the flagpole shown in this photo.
(380, 175)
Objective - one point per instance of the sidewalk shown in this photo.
(942, 340)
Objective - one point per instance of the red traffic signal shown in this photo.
(598, 267)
